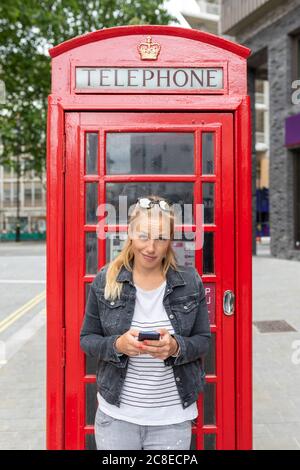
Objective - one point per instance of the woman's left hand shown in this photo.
(164, 347)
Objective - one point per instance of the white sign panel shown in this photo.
(153, 78)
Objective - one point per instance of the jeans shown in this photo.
(116, 434)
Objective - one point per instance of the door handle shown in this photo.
(228, 302)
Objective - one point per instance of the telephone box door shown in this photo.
(188, 158)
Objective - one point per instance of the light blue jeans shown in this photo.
(117, 434)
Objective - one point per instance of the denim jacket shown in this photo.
(105, 320)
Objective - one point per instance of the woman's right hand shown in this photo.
(128, 343)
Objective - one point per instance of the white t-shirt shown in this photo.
(149, 395)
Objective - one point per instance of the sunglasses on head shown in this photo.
(147, 203)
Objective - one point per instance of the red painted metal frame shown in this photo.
(174, 31)
(182, 47)
(76, 126)
(55, 278)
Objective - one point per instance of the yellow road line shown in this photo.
(4, 324)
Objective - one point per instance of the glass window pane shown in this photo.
(185, 249)
(150, 153)
(114, 244)
(91, 202)
(209, 442)
(90, 443)
(91, 253)
(207, 153)
(87, 290)
(91, 160)
(208, 196)
(193, 445)
(209, 403)
(91, 402)
(208, 253)
(180, 193)
(210, 358)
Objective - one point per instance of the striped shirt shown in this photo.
(149, 395)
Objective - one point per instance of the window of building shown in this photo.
(261, 92)
(6, 195)
(14, 193)
(260, 120)
(38, 224)
(258, 172)
(297, 198)
(37, 195)
(12, 221)
(260, 126)
(11, 224)
(296, 57)
(28, 194)
(259, 86)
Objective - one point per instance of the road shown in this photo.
(22, 345)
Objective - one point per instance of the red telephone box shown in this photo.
(135, 110)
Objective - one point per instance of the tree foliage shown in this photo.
(28, 28)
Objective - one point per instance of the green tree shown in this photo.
(27, 29)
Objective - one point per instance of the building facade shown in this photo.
(197, 14)
(271, 28)
(23, 201)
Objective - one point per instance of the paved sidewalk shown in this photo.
(276, 296)
(23, 396)
(276, 379)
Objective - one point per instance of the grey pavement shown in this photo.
(276, 370)
(276, 366)
(23, 397)
(23, 346)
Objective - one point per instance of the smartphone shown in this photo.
(154, 335)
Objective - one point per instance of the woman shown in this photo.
(147, 390)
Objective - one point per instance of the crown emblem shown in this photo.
(149, 49)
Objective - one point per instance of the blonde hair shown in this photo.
(113, 288)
